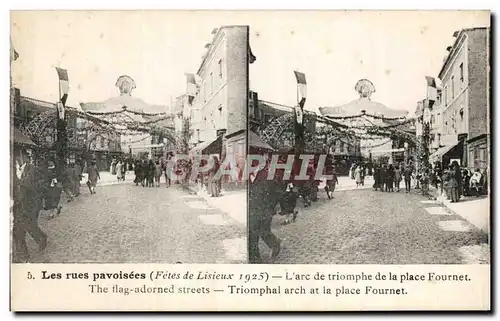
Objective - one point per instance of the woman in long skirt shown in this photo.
(52, 191)
(93, 177)
(157, 173)
(119, 171)
(357, 176)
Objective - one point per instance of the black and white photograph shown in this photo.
(120, 121)
(375, 127)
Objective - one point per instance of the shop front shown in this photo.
(478, 155)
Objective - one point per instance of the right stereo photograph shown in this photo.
(369, 137)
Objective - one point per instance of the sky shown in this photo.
(155, 48)
(395, 50)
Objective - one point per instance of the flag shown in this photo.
(251, 56)
(191, 85)
(13, 53)
(60, 110)
(298, 114)
(63, 84)
(301, 87)
(431, 88)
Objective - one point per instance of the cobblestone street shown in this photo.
(128, 224)
(368, 227)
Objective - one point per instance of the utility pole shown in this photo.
(299, 112)
(62, 139)
(62, 136)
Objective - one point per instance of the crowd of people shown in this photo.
(265, 195)
(455, 182)
(37, 186)
(148, 173)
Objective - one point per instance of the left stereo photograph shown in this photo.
(128, 137)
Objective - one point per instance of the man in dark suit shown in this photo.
(27, 204)
(263, 197)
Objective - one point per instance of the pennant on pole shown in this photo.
(63, 84)
(431, 88)
(191, 85)
(13, 53)
(301, 87)
(60, 110)
(298, 114)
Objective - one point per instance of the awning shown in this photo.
(208, 148)
(254, 141)
(18, 137)
(442, 151)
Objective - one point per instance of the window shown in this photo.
(452, 87)
(211, 83)
(29, 115)
(462, 72)
(220, 68)
(446, 95)
(220, 108)
(433, 120)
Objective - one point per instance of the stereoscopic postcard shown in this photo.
(250, 160)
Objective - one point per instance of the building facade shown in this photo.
(219, 103)
(465, 95)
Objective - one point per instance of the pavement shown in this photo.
(108, 179)
(364, 226)
(233, 203)
(476, 210)
(124, 223)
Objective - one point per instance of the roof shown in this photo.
(356, 107)
(40, 105)
(19, 137)
(210, 48)
(254, 141)
(458, 35)
(209, 147)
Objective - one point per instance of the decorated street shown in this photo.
(123, 223)
(371, 227)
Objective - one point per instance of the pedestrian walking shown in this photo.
(357, 176)
(213, 178)
(453, 185)
(150, 173)
(93, 177)
(27, 197)
(330, 171)
(68, 183)
(466, 182)
(124, 170)
(351, 171)
(157, 173)
(458, 177)
(397, 177)
(119, 170)
(476, 182)
(113, 169)
(52, 189)
(376, 178)
(138, 170)
(263, 198)
(389, 187)
(407, 172)
(363, 174)
(77, 172)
